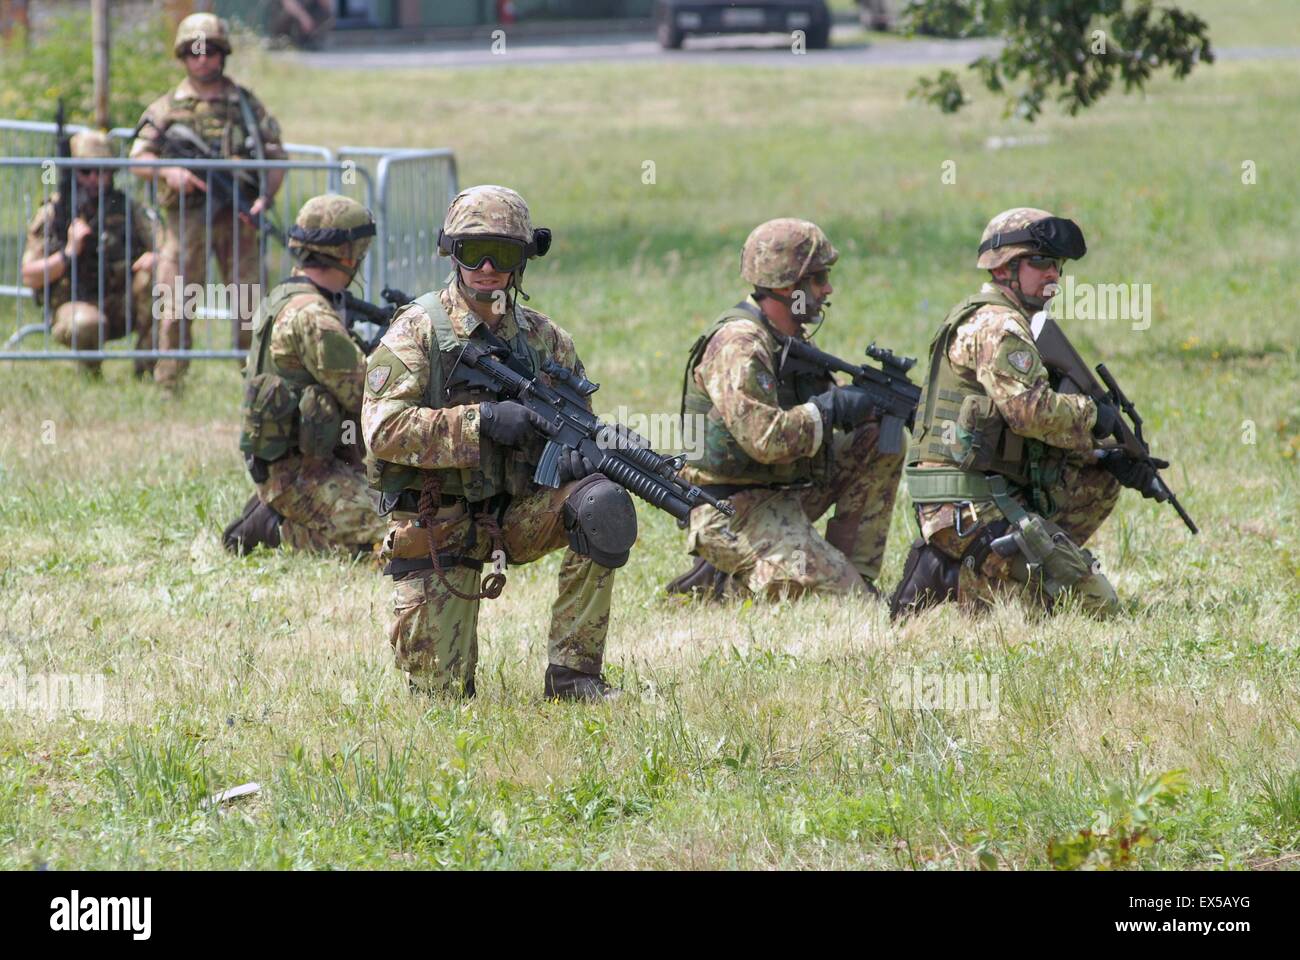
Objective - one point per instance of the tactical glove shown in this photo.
(844, 407)
(574, 466)
(1107, 419)
(509, 423)
(1139, 475)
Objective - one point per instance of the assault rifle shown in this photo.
(1060, 357)
(893, 394)
(374, 319)
(63, 212)
(620, 454)
(180, 142)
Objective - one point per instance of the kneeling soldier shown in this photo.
(455, 464)
(303, 383)
(999, 453)
(783, 448)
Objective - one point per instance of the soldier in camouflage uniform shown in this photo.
(63, 272)
(455, 464)
(303, 384)
(782, 448)
(233, 124)
(1003, 468)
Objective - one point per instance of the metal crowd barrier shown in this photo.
(408, 190)
(25, 186)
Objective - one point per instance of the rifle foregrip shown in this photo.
(649, 488)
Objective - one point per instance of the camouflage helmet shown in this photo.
(200, 31)
(1017, 218)
(780, 253)
(332, 228)
(91, 144)
(489, 209)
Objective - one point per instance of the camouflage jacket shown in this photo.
(400, 425)
(310, 344)
(993, 352)
(219, 121)
(120, 248)
(737, 375)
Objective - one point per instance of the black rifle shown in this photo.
(889, 388)
(374, 319)
(63, 213)
(1060, 357)
(180, 142)
(620, 454)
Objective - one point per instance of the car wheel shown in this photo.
(670, 35)
(819, 37)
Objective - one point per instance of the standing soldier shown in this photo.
(208, 114)
(455, 464)
(783, 449)
(106, 230)
(997, 445)
(303, 383)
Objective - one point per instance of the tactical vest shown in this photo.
(224, 126)
(960, 426)
(109, 235)
(500, 469)
(270, 410)
(723, 455)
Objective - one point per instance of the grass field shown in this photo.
(754, 736)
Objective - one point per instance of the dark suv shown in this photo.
(675, 19)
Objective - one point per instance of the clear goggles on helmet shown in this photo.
(1052, 237)
(507, 254)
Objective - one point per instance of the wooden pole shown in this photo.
(100, 66)
(13, 15)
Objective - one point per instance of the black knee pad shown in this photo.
(601, 521)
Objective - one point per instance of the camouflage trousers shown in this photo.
(81, 325)
(435, 633)
(184, 256)
(770, 547)
(1084, 497)
(325, 504)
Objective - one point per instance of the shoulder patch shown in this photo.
(1022, 360)
(765, 381)
(377, 378)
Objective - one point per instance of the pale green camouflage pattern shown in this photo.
(325, 504)
(738, 375)
(771, 546)
(1084, 497)
(325, 501)
(333, 211)
(1016, 218)
(397, 426)
(489, 209)
(91, 144)
(434, 633)
(202, 28)
(779, 253)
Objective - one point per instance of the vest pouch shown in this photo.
(979, 430)
(269, 410)
(320, 423)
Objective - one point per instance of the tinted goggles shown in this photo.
(1053, 237)
(506, 253)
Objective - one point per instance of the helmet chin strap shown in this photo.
(1013, 283)
(491, 296)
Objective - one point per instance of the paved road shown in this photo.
(756, 50)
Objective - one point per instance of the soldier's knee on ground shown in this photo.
(601, 521)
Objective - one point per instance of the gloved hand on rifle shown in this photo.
(1139, 475)
(1107, 419)
(574, 466)
(844, 407)
(509, 423)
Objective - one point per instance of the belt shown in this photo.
(404, 569)
(408, 501)
(724, 490)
